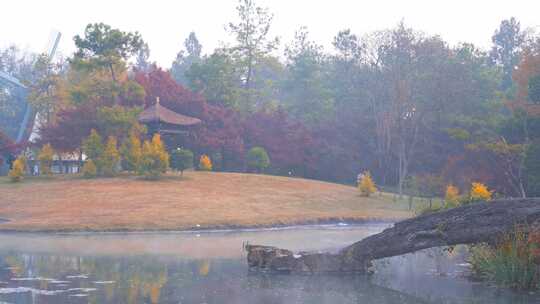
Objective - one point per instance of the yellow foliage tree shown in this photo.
(131, 152)
(45, 158)
(89, 169)
(110, 158)
(205, 163)
(16, 174)
(92, 146)
(480, 192)
(155, 159)
(159, 147)
(451, 197)
(366, 184)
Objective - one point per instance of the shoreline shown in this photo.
(212, 229)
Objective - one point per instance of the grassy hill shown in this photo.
(198, 200)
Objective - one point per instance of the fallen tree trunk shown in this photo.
(475, 223)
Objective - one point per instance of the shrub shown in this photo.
(89, 169)
(110, 158)
(155, 160)
(511, 263)
(16, 173)
(45, 158)
(181, 159)
(131, 152)
(451, 197)
(479, 192)
(205, 163)
(366, 184)
(258, 159)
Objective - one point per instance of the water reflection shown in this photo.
(210, 268)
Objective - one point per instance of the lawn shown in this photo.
(198, 200)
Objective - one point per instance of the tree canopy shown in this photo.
(399, 103)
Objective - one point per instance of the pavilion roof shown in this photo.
(158, 113)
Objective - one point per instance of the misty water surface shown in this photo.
(211, 268)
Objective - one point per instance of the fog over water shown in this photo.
(211, 268)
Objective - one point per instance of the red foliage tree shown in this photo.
(340, 155)
(289, 143)
(221, 128)
(73, 125)
(6, 144)
(7, 148)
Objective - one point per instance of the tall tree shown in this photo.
(216, 78)
(507, 42)
(186, 58)
(253, 42)
(142, 59)
(306, 95)
(46, 91)
(103, 46)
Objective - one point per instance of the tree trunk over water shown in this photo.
(475, 223)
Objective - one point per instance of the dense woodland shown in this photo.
(416, 112)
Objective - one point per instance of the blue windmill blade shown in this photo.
(20, 127)
(19, 105)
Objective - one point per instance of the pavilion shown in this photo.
(167, 123)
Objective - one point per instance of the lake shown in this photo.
(210, 267)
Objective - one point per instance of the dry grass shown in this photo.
(199, 200)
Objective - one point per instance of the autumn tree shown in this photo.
(480, 192)
(288, 141)
(205, 164)
(366, 184)
(71, 128)
(90, 99)
(16, 174)
(523, 127)
(110, 158)
(221, 128)
(89, 169)
(397, 101)
(131, 153)
(155, 159)
(45, 157)
(7, 149)
(509, 158)
(93, 148)
(451, 196)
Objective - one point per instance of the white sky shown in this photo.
(164, 24)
